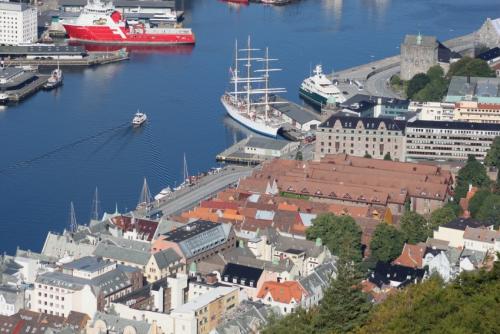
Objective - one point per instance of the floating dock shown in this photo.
(20, 94)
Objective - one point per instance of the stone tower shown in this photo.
(418, 54)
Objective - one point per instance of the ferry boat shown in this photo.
(139, 119)
(251, 101)
(100, 22)
(319, 90)
(55, 80)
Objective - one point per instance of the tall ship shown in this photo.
(100, 22)
(320, 90)
(251, 100)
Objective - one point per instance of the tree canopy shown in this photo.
(387, 156)
(340, 234)
(467, 305)
(489, 211)
(493, 156)
(472, 173)
(387, 242)
(472, 67)
(415, 227)
(418, 82)
(441, 216)
(477, 200)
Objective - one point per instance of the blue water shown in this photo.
(56, 147)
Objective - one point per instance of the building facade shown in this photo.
(361, 137)
(473, 111)
(433, 111)
(418, 54)
(434, 140)
(18, 23)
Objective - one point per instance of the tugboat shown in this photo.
(319, 90)
(139, 119)
(55, 80)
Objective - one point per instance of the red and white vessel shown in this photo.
(100, 22)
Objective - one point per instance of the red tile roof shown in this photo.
(412, 256)
(282, 292)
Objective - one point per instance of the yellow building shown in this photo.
(473, 111)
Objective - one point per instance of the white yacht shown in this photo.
(4, 98)
(139, 119)
(320, 90)
(55, 80)
(164, 193)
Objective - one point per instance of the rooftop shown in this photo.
(242, 275)
(429, 41)
(463, 223)
(266, 143)
(282, 292)
(453, 125)
(350, 122)
(190, 230)
(205, 299)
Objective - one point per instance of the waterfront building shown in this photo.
(355, 136)
(436, 140)
(62, 52)
(197, 240)
(489, 34)
(84, 285)
(269, 147)
(482, 90)
(18, 23)
(432, 111)
(376, 106)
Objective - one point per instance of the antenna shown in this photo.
(73, 225)
(95, 206)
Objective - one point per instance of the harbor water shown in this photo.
(57, 146)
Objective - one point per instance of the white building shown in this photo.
(18, 23)
(432, 111)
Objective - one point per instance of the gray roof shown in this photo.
(421, 40)
(59, 246)
(117, 324)
(42, 50)
(87, 263)
(34, 255)
(476, 257)
(475, 86)
(166, 258)
(266, 143)
(107, 283)
(319, 279)
(10, 294)
(14, 6)
(247, 318)
(117, 253)
(295, 112)
(7, 72)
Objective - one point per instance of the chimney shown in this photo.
(211, 279)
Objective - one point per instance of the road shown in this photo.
(378, 84)
(187, 198)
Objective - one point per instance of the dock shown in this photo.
(235, 155)
(93, 59)
(20, 94)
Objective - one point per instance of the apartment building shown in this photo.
(474, 111)
(434, 140)
(18, 23)
(433, 111)
(360, 137)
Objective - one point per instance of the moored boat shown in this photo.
(55, 80)
(251, 103)
(319, 90)
(100, 22)
(4, 98)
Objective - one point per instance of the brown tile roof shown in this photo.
(143, 226)
(282, 292)
(481, 234)
(411, 256)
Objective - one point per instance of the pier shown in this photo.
(94, 58)
(22, 93)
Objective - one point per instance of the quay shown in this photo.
(54, 55)
(255, 150)
(187, 198)
(20, 94)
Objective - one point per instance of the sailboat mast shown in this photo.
(235, 74)
(73, 225)
(248, 75)
(95, 205)
(186, 173)
(266, 82)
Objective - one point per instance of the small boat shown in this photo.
(165, 192)
(55, 80)
(139, 119)
(4, 98)
(276, 2)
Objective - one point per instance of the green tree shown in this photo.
(415, 227)
(299, 156)
(395, 80)
(477, 200)
(490, 210)
(472, 173)
(442, 216)
(298, 322)
(433, 91)
(493, 155)
(338, 233)
(367, 155)
(387, 156)
(472, 67)
(387, 242)
(418, 82)
(344, 307)
(435, 72)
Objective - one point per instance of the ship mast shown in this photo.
(73, 225)
(145, 198)
(185, 170)
(235, 74)
(95, 206)
(249, 64)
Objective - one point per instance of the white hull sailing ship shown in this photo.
(251, 101)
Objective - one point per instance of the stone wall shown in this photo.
(417, 59)
(487, 35)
